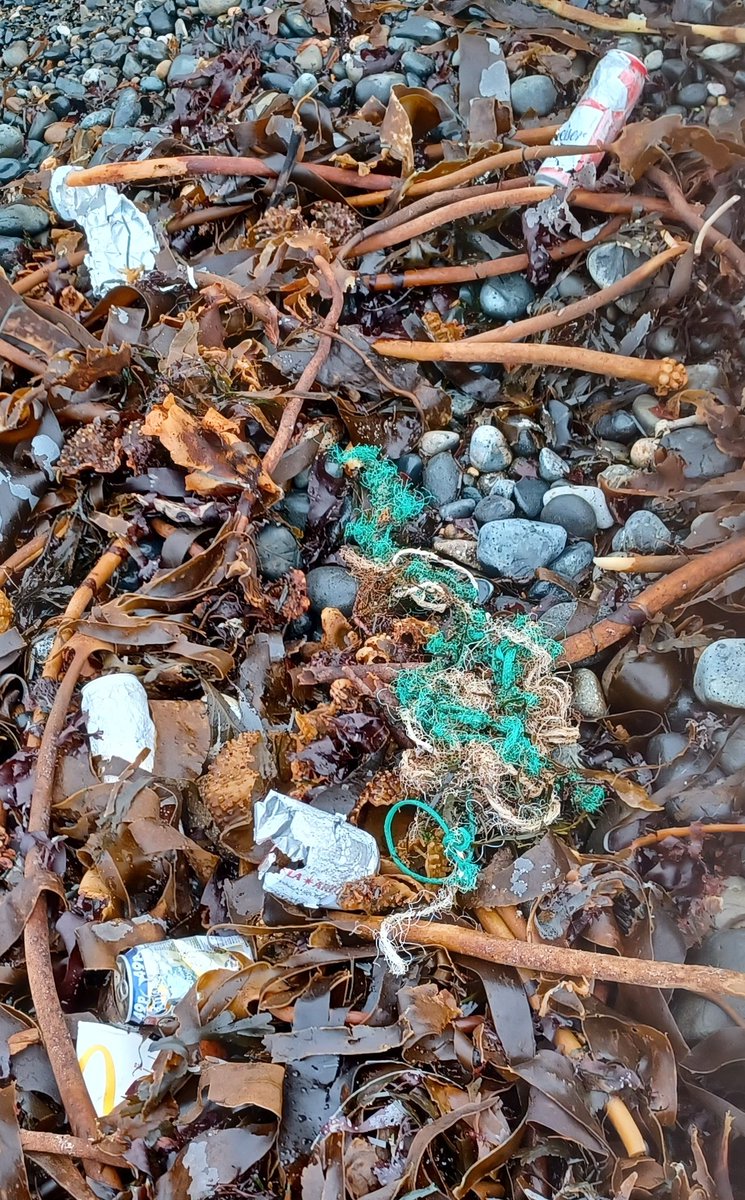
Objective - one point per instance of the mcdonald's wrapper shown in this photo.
(121, 240)
(326, 852)
(111, 1060)
(118, 722)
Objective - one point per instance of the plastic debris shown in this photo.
(328, 850)
(111, 1060)
(150, 980)
(612, 93)
(121, 241)
(118, 721)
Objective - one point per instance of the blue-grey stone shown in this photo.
(533, 93)
(643, 533)
(696, 1016)
(17, 220)
(152, 49)
(442, 478)
(421, 30)
(488, 449)
(457, 510)
(507, 298)
(493, 508)
(99, 117)
(72, 89)
(182, 67)
(411, 466)
(550, 466)
(418, 64)
(720, 673)
(163, 18)
(127, 110)
(295, 508)
(331, 587)
(702, 457)
(297, 23)
(693, 95)
(275, 81)
(40, 123)
(573, 514)
(516, 548)
(10, 169)
(339, 93)
(277, 551)
(151, 83)
(11, 141)
(434, 441)
(15, 54)
(617, 427)
(528, 496)
(9, 247)
(610, 261)
(380, 86)
(131, 67)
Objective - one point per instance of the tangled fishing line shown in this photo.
(484, 714)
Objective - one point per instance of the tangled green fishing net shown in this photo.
(487, 710)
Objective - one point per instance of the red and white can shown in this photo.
(613, 91)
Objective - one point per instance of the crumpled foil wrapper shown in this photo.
(121, 241)
(328, 851)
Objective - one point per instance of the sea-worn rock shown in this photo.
(435, 441)
(643, 533)
(380, 86)
(696, 1016)
(457, 510)
(442, 478)
(593, 495)
(493, 508)
(702, 457)
(529, 494)
(588, 695)
(331, 587)
(516, 548)
(277, 550)
(550, 466)
(488, 449)
(533, 93)
(11, 141)
(572, 513)
(720, 673)
(506, 298)
(214, 8)
(21, 219)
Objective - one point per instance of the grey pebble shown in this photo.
(515, 548)
(732, 757)
(274, 80)
(572, 286)
(554, 622)
(297, 23)
(11, 168)
(17, 220)
(693, 95)
(295, 508)
(529, 494)
(457, 510)
(305, 85)
(9, 247)
(277, 551)
(152, 49)
(696, 1016)
(420, 29)
(182, 67)
(594, 497)
(719, 52)
(331, 587)
(573, 514)
(99, 117)
(663, 341)
(493, 508)
(702, 457)
(720, 673)
(610, 261)
(617, 427)
(411, 466)
(163, 19)
(643, 533)
(127, 109)
(642, 409)
(15, 54)
(215, 8)
(380, 86)
(507, 298)
(550, 466)
(152, 83)
(72, 89)
(442, 478)
(339, 93)
(417, 64)
(41, 121)
(488, 449)
(131, 67)
(310, 60)
(434, 441)
(587, 694)
(533, 93)
(499, 486)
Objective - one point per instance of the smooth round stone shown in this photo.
(587, 694)
(214, 8)
(720, 673)
(664, 341)
(401, 43)
(654, 60)
(310, 60)
(610, 261)
(457, 510)
(151, 83)
(554, 622)
(645, 682)
(719, 52)
(528, 496)
(488, 449)
(732, 901)
(573, 561)
(593, 496)
(277, 550)
(643, 453)
(412, 467)
(297, 23)
(100, 117)
(10, 169)
(696, 1016)
(15, 54)
(152, 50)
(274, 80)
(705, 376)
(617, 427)
(182, 67)
(378, 86)
(572, 287)
(418, 64)
(163, 18)
(732, 757)
(442, 478)
(295, 508)
(533, 93)
(11, 141)
(40, 122)
(434, 441)
(421, 30)
(702, 457)
(304, 85)
(515, 549)
(693, 95)
(493, 508)
(17, 220)
(127, 110)
(550, 466)
(331, 587)
(644, 410)
(339, 93)
(501, 486)
(573, 514)
(507, 298)
(643, 533)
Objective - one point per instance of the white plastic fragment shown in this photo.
(121, 241)
(111, 1060)
(326, 851)
(118, 722)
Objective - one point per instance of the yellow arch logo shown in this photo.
(109, 1091)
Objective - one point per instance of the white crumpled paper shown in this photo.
(111, 1059)
(121, 240)
(118, 721)
(332, 852)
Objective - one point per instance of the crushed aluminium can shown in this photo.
(326, 852)
(150, 980)
(612, 93)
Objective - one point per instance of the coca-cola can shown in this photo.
(612, 93)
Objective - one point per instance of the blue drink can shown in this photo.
(150, 980)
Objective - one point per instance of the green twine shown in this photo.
(392, 502)
(457, 845)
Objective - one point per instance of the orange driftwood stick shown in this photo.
(663, 375)
(181, 166)
(558, 960)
